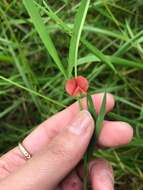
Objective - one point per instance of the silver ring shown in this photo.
(24, 151)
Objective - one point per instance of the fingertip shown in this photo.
(101, 175)
(100, 163)
(115, 133)
(72, 182)
(98, 98)
(111, 99)
(83, 123)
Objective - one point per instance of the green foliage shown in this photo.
(98, 120)
(101, 116)
(41, 29)
(75, 39)
(110, 54)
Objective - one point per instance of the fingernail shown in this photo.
(101, 174)
(81, 122)
(107, 180)
(104, 181)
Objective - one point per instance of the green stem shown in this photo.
(85, 169)
(80, 104)
(85, 158)
(75, 70)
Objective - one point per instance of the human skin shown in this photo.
(57, 147)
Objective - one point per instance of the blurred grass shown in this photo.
(32, 88)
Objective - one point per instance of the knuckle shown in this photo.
(63, 150)
(4, 169)
(49, 134)
(11, 161)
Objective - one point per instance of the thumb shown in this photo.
(46, 169)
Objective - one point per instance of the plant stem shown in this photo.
(80, 104)
(85, 158)
(85, 169)
(75, 70)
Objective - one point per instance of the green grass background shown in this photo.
(32, 87)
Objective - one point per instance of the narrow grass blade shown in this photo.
(32, 91)
(91, 107)
(19, 59)
(78, 26)
(113, 59)
(101, 116)
(22, 70)
(73, 59)
(125, 62)
(6, 58)
(99, 54)
(67, 27)
(53, 15)
(113, 18)
(88, 59)
(102, 31)
(126, 46)
(131, 34)
(9, 109)
(125, 119)
(98, 120)
(88, 155)
(42, 31)
(85, 171)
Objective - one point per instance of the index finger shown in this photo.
(43, 134)
(46, 131)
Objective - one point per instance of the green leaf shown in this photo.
(113, 59)
(98, 122)
(31, 91)
(88, 59)
(42, 31)
(89, 152)
(6, 58)
(9, 109)
(78, 26)
(99, 54)
(91, 107)
(125, 62)
(101, 116)
(53, 15)
(126, 46)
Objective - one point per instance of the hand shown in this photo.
(57, 146)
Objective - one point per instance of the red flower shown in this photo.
(76, 86)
